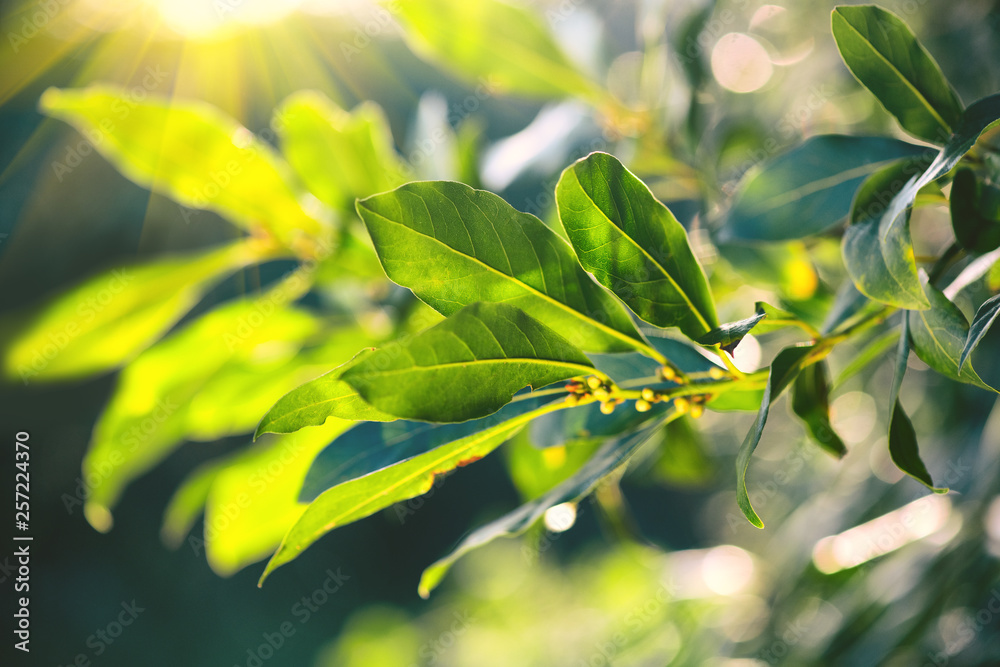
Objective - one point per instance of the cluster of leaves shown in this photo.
(601, 325)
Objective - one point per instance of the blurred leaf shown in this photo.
(502, 47)
(633, 245)
(312, 403)
(878, 252)
(188, 502)
(466, 367)
(809, 189)
(787, 267)
(340, 156)
(939, 336)
(872, 351)
(112, 317)
(975, 212)
(683, 460)
(191, 152)
(372, 446)
(361, 497)
(811, 402)
(883, 54)
(981, 323)
(535, 470)
(784, 369)
(903, 448)
(147, 417)
(611, 456)
(454, 246)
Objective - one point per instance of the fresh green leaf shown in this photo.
(633, 245)
(885, 56)
(610, 457)
(372, 446)
(785, 367)
(361, 497)
(877, 249)
(534, 471)
(811, 402)
(190, 152)
(340, 156)
(502, 47)
(903, 448)
(975, 212)
(114, 316)
(765, 318)
(314, 402)
(939, 336)
(468, 366)
(809, 189)
(454, 246)
(981, 323)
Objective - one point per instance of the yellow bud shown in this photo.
(607, 407)
(601, 394)
(697, 410)
(572, 400)
(642, 406)
(594, 382)
(682, 405)
(648, 394)
(668, 373)
(716, 373)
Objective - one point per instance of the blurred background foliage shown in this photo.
(661, 569)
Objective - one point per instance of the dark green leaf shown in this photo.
(809, 189)
(361, 497)
(609, 458)
(811, 402)
(785, 367)
(883, 54)
(633, 245)
(939, 336)
(314, 402)
(454, 246)
(765, 318)
(981, 323)
(975, 212)
(467, 366)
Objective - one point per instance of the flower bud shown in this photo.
(601, 394)
(697, 410)
(594, 382)
(682, 405)
(642, 406)
(607, 407)
(716, 373)
(648, 395)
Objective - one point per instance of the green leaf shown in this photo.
(340, 156)
(939, 336)
(981, 323)
(534, 470)
(453, 246)
(877, 249)
(765, 318)
(903, 448)
(633, 245)
(867, 355)
(785, 367)
(811, 402)
(975, 212)
(372, 446)
(502, 47)
(885, 56)
(314, 402)
(191, 152)
(112, 317)
(358, 498)
(809, 189)
(610, 457)
(468, 366)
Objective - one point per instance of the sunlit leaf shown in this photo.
(340, 156)
(454, 246)
(981, 323)
(633, 245)
(191, 152)
(358, 498)
(784, 369)
(809, 189)
(811, 402)
(883, 54)
(939, 337)
(765, 318)
(535, 470)
(499, 46)
(466, 367)
(112, 317)
(611, 456)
